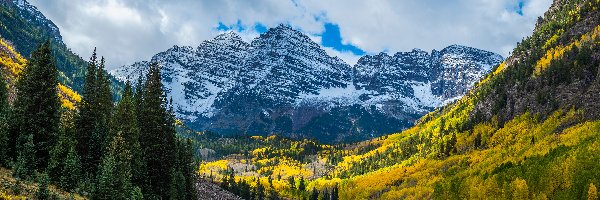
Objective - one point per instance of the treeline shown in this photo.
(103, 149)
(260, 191)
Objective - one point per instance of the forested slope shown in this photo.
(528, 130)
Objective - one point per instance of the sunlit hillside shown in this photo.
(13, 63)
(529, 130)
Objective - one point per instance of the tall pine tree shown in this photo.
(125, 122)
(86, 118)
(158, 135)
(92, 123)
(105, 105)
(36, 109)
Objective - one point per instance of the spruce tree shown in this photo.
(158, 135)
(64, 162)
(94, 116)
(186, 165)
(42, 190)
(273, 194)
(71, 172)
(260, 190)
(105, 106)
(24, 167)
(335, 193)
(314, 195)
(114, 175)
(4, 124)
(141, 179)
(86, 118)
(125, 121)
(36, 109)
(177, 190)
(301, 185)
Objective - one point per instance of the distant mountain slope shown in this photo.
(283, 82)
(529, 130)
(26, 27)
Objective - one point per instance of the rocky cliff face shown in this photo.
(283, 82)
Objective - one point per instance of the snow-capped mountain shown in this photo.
(283, 82)
(33, 15)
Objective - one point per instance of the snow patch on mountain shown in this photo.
(229, 82)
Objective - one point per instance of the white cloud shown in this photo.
(126, 31)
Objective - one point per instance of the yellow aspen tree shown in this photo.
(592, 192)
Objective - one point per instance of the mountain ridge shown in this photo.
(282, 81)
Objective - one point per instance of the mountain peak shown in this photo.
(228, 36)
(282, 29)
(456, 48)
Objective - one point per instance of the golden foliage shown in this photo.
(592, 193)
(520, 189)
(590, 38)
(68, 98)
(11, 59)
(13, 64)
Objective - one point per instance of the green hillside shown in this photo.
(26, 32)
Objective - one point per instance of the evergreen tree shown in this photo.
(177, 190)
(325, 195)
(477, 140)
(335, 193)
(42, 190)
(246, 193)
(114, 176)
(64, 165)
(158, 135)
(139, 104)
(260, 190)
(273, 195)
(36, 108)
(105, 106)
(314, 195)
(4, 124)
(188, 168)
(86, 119)
(94, 116)
(71, 172)
(292, 182)
(25, 166)
(225, 182)
(124, 121)
(301, 184)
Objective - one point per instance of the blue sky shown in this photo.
(126, 31)
(330, 37)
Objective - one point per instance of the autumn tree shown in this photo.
(592, 193)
